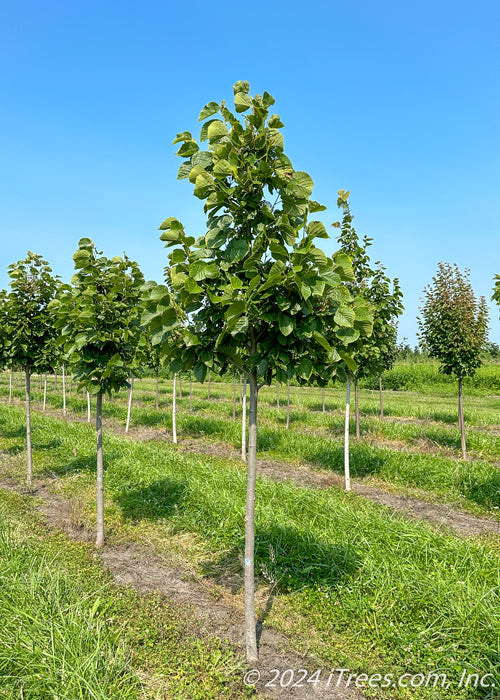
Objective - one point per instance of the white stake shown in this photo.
(88, 407)
(174, 426)
(346, 436)
(64, 390)
(244, 423)
(129, 403)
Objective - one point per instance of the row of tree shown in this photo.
(253, 294)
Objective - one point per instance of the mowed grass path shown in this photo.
(414, 449)
(355, 585)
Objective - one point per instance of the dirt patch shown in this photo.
(137, 566)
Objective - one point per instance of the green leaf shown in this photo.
(348, 360)
(200, 371)
(322, 341)
(316, 229)
(171, 223)
(201, 270)
(222, 168)
(305, 368)
(237, 249)
(176, 365)
(275, 122)
(315, 206)
(285, 324)
(208, 110)
(187, 149)
(242, 102)
(241, 86)
(344, 316)
(183, 136)
(301, 185)
(216, 130)
(204, 185)
(347, 335)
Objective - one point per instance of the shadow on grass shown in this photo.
(158, 500)
(199, 425)
(482, 490)
(289, 560)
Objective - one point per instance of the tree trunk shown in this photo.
(356, 404)
(209, 378)
(244, 423)
(190, 394)
(10, 384)
(346, 436)
(157, 391)
(45, 391)
(28, 427)
(129, 406)
(100, 472)
(241, 395)
(174, 424)
(277, 394)
(250, 626)
(64, 389)
(288, 404)
(381, 396)
(234, 397)
(88, 407)
(323, 399)
(461, 421)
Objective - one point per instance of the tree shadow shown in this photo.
(485, 491)
(199, 425)
(157, 500)
(289, 560)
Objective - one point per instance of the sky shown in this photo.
(397, 102)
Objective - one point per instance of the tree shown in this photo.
(99, 320)
(496, 290)
(454, 328)
(375, 351)
(29, 327)
(254, 293)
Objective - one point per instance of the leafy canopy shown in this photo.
(29, 327)
(255, 291)
(98, 316)
(454, 324)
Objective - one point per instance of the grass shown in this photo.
(68, 632)
(354, 585)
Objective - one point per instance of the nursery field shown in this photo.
(344, 581)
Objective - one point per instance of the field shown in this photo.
(400, 576)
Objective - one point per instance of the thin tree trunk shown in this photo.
(64, 389)
(346, 436)
(241, 389)
(277, 394)
(381, 396)
(461, 421)
(356, 405)
(208, 395)
(100, 473)
(88, 407)
(28, 427)
(288, 404)
(45, 391)
(129, 406)
(157, 391)
(244, 423)
(234, 397)
(190, 394)
(174, 424)
(250, 626)
(10, 384)
(323, 399)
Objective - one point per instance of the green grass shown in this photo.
(68, 632)
(355, 585)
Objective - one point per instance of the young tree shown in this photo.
(454, 328)
(496, 291)
(30, 326)
(257, 294)
(99, 321)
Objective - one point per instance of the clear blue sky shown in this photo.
(397, 102)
